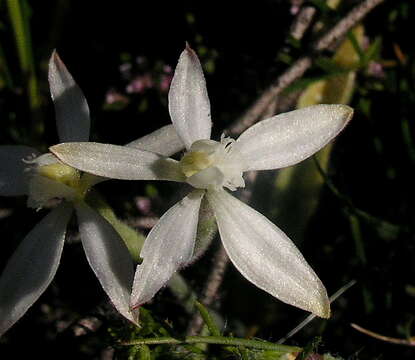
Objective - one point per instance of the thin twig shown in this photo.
(293, 73)
(302, 22)
(296, 70)
(406, 342)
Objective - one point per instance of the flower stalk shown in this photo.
(216, 340)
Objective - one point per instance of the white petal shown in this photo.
(33, 266)
(168, 247)
(118, 162)
(266, 256)
(13, 179)
(163, 141)
(108, 257)
(188, 100)
(71, 108)
(289, 138)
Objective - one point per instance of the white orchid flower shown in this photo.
(258, 249)
(43, 177)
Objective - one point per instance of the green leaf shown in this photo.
(373, 51)
(356, 45)
(19, 12)
(329, 65)
(210, 323)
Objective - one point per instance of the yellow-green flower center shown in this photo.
(195, 161)
(62, 173)
(66, 175)
(211, 164)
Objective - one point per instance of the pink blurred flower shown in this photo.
(143, 204)
(140, 84)
(165, 81)
(375, 69)
(112, 96)
(167, 69)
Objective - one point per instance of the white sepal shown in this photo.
(71, 107)
(189, 104)
(168, 246)
(289, 138)
(117, 162)
(266, 256)
(108, 257)
(33, 266)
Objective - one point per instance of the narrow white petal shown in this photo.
(289, 138)
(71, 108)
(266, 256)
(13, 178)
(168, 247)
(163, 141)
(189, 104)
(118, 162)
(33, 266)
(108, 257)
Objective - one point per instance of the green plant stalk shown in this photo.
(182, 291)
(210, 323)
(408, 140)
(357, 236)
(145, 352)
(4, 70)
(25, 52)
(217, 340)
(356, 46)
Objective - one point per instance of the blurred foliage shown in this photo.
(350, 209)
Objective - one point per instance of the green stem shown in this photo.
(358, 239)
(16, 18)
(408, 139)
(4, 70)
(145, 353)
(210, 323)
(182, 291)
(218, 340)
(21, 30)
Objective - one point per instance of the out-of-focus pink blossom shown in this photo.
(375, 69)
(167, 69)
(112, 96)
(165, 81)
(140, 84)
(295, 6)
(143, 204)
